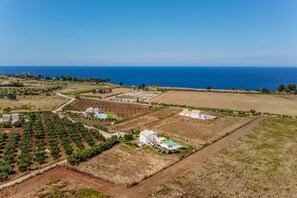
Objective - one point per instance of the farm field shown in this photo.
(114, 92)
(279, 104)
(126, 166)
(33, 103)
(78, 88)
(196, 132)
(121, 110)
(261, 164)
(44, 140)
(142, 122)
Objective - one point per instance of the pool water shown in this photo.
(170, 143)
(101, 115)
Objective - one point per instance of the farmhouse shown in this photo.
(5, 83)
(94, 112)
(12, 117)
(152, 137)
(148, 136)
(196, 114)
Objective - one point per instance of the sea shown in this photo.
(248, 78)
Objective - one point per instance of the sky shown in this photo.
(148, 32)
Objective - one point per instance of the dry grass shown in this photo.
(263, 164)
(262, 103)
(126, 166)
(115, 91)
(33, 103)
(64, 189)
(81, 86)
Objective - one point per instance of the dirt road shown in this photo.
(149, 185)
(67, 103)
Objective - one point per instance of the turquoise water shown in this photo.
(101, 115)
(170, 143)
(194, 77)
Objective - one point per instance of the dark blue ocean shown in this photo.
(249, 78)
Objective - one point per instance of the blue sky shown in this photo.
(148, 32)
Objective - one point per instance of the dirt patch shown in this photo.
(262, 103)
(33, 103)
(126, 166)
(64, 189)
(122, 110)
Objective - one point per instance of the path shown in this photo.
(149, 185)
(67, 103)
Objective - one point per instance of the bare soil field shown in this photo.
(126, 166)
(262, 164)
(114, 92)
(121, 110)
(143, 121)
(262, 103)
(33, 103)
(41, 183)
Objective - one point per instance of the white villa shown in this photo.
(12, 117)
(196, 114)
(151, 137)
(94, 112)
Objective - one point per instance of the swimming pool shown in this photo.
(101, 115)
(170, 143)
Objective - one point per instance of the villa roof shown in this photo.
(148, 132)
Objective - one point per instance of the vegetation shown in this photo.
(88, 153)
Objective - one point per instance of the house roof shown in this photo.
(148, 132)
(6, 117)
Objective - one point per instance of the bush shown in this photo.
(6, 124)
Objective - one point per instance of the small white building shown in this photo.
(148, 136)
(12, 117)
(196, 114)
(90, 111)
(6, 83)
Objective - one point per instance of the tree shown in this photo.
(281, 88)
(6, 109)
(121, 83)
(208, 87)
(253, 112)
(291, 87)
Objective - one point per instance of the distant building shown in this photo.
(12, 117)
(5, 83)
(196, 114)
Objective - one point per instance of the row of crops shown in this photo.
(45, 138)
(27, 91)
